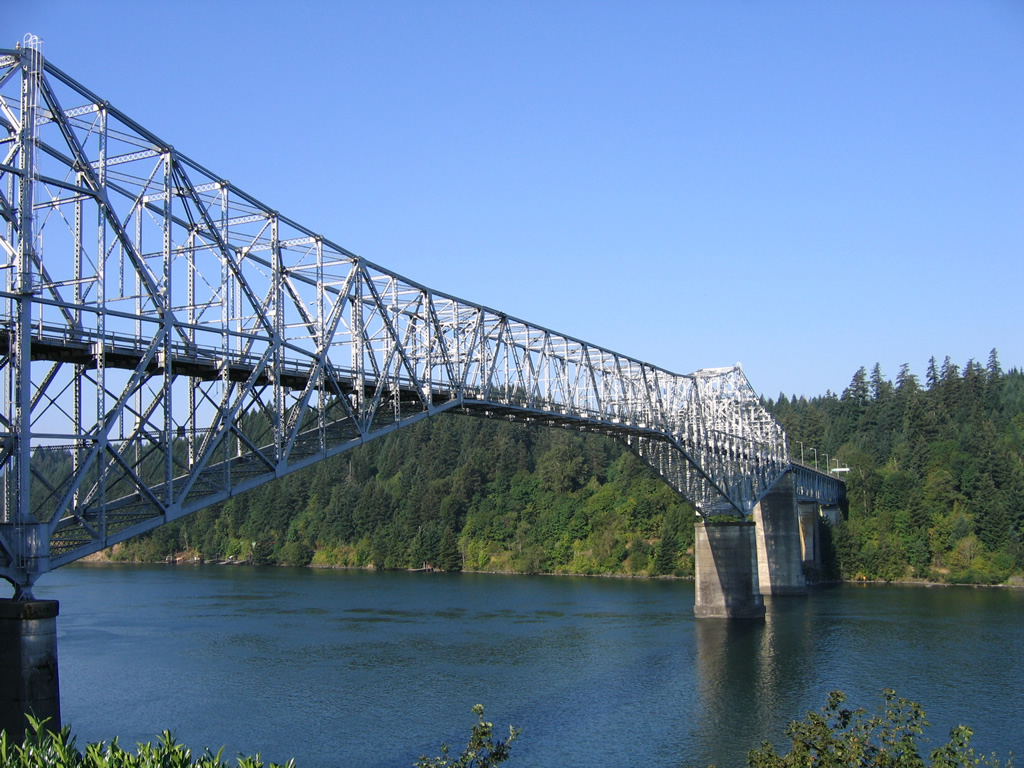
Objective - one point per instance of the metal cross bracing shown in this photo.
(168, 341)
(812, 484)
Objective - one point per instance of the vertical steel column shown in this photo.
(230, 445)
(167, 330)
(357, 334)
(78, 449)
(101, 324)
(322, 342)
(277, 276)
(190, 416)
(31, 541)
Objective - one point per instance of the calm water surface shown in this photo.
(354, 668)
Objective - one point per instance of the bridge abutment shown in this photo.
(779, 540)
(726, 572)
(28, 670)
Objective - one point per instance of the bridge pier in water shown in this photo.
(28, 673)
(725, 556)
(810, 536)
(780, 540)
(737, 564)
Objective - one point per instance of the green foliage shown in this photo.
(936, 480)
(482, 751)
(449, 493)
(834, 737)
(43, 748)
(837, 737)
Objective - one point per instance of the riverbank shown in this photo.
(192, 559)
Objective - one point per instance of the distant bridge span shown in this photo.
(168, 341)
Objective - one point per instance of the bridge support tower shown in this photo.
(726, 572)
(810, 537)
(28, 672)
(779, 530)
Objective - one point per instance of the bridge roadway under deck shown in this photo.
(120, 351)
(86, 349)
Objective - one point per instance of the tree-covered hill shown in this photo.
(936, 480)
(936, 490)
(452, 492)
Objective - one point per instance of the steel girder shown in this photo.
(168, 341)
(823, 488)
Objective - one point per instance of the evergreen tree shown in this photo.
(665, 561)
(448, 557)
(994, 371)
(992, 524)
(906, 381)
(932, 379)
(880, 388)
(668, 548)
(857, 392)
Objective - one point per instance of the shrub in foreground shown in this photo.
(43, 748)
(482, 751)
(837, 737)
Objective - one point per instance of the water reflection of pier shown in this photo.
(746, 674)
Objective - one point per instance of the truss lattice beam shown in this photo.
(168, 341)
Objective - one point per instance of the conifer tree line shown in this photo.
(935, 490)
(936, 480)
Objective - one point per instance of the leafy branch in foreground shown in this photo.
(43, 748)
(482, 751)
(838, 737)
(835, 737)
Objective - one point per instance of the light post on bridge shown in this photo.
(826, 461)
(801, 451)
(815, 457)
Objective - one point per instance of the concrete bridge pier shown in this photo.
(810, 536)
(725, 557)
(779, 533)
(28, 665)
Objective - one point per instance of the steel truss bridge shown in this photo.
(168, 341)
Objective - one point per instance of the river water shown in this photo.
(366, 669)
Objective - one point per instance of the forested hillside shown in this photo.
(936, 490)
(936, 480)
(452, 492)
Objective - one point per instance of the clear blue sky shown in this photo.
(803, 187)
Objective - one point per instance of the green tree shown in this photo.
(448, 557)
(668, 549)
(992, 523)
(837, 737)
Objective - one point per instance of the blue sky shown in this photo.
(803, 187)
